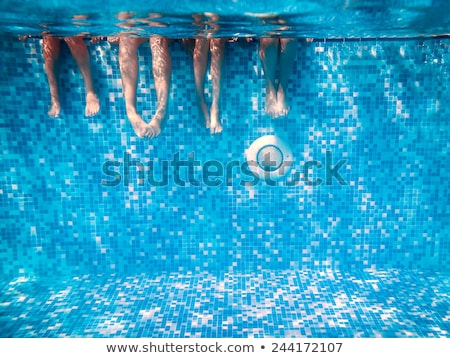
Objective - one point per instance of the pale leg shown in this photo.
(51, 50)
(200, 59)
(217, 54)
(288, 52)
(128, 63)
(81, 55)
(268, 52)
(162, 71)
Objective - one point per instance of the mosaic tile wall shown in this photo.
(269, 303)
(380, 106)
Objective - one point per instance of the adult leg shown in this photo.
(51, 51)
(162, 71)
(268, 52)
(217, 47)
(128, 63)
(81, 55)
(288, 52)
(200, 59)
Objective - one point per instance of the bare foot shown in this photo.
(153, 129)
(55, 108)
(271, 104)
(156, 125)
(92, 105)
(139, 126)
(216, 125)
(283, 107)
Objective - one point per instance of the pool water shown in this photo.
(365, 256)
(270, 303)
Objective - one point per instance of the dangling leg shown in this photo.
(217, 54)
(268, 52)
(128, 63)
(162, 71)
(288, 52)
(81, 55)
(200, 59)
(51, 50)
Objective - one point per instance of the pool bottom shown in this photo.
(265, 304)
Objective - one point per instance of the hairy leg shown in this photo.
(81, 55)
(128, 63)
(268, 52)
(200, 59)
(51, 50)
(217, 47)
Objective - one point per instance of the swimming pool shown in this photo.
(364, 257)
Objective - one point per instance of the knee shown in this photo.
(264, 44)
(159, 42)
(217, 45)
(200, 48)
(288, 44)
(50, 48)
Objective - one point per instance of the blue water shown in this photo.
(364, 258)
(313, 18)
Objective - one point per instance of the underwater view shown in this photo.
(174, 19)
(227, 169)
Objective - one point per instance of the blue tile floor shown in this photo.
(266, 304)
